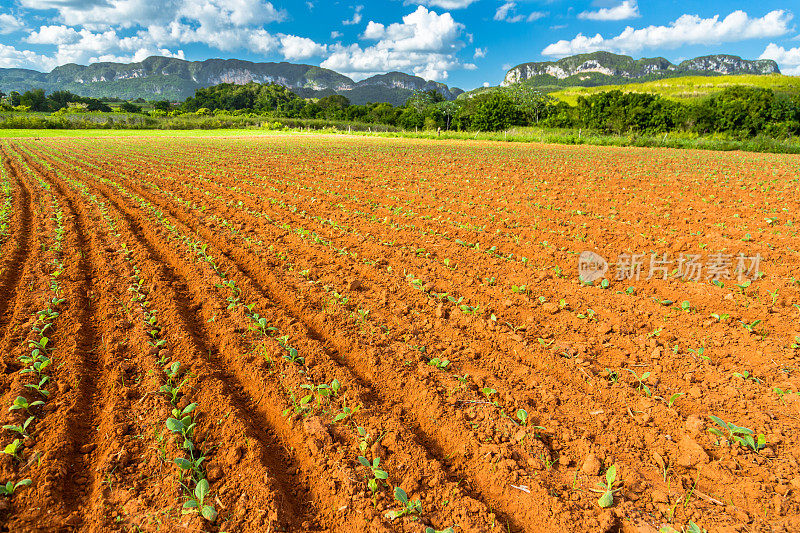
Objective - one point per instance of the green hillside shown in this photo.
(689, 88)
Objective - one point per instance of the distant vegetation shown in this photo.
(738, 112)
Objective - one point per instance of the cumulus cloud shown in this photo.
(629, 9)
(10, 24)
(480, 52)
(294, 47)
(686, 30)
(789, 60)
(424, 43)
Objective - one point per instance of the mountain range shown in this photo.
(605, 68)
(162, 78)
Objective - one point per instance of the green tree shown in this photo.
(34, 99)
(496, 112)
(128, 107)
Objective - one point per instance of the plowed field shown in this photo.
(281, 331)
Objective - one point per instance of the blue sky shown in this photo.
(464, 43)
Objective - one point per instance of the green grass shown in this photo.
(520, 135)
(689, 88)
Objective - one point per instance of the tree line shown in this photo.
(740, 111)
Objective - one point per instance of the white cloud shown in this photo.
(57, 35)
(356, 17)
(10, 24)
(504, 11)
(686, 30)
(628, 9)
(294, 47)
(508, 12)
(336, 34)
(425, 43)
(10, 57)
(480, 52)
(789, 60)
(104, 14)
(444, 4)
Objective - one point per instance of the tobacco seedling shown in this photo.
(746, 375)
(720, 318)
(431, 530)
(607, 493)
(673, 398)
(781, 393)
(197, 502)
(13, 449)
(374, 469)
(293, 356)
(182, 423)
(686, 306)
(796, 345)
(522, 414)
(9, 488)
(641, 382)
(23, 429)
(170, 388)
(409, 507)
(743, 436)
(22, 403)
(742, 287)
(38, 388)
(752, 326)
(441, 364)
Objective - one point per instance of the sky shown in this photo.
(464, 43)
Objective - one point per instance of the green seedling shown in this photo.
(170, 387)
(183, 424)
(441, 364)
(630, 290)
(746, 375)
(10, 488)
(718, 283)
(781, 393)
(346, 413)
(519, 289)
(744, 286)
(261, 325)
(796, 345)
(673, 398)
(23, 429)
(335, 386)
(22, 403)
(375, 471)
(409, 507)
(522, 414)
(292, 354)
(741, 435)
(612, 375)
(686, 306)
(197, 502)
(487, 391)
(431, 530)
(774, 295)
(607, 491)
(720, 318)
(39, 387)
(641, 382)
(13, 449)
(752, 326)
